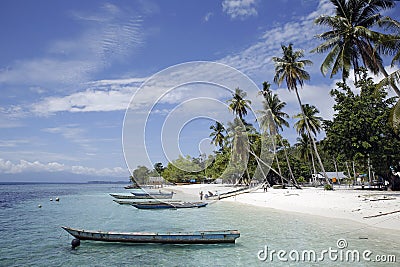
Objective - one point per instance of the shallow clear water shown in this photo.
(32, 236)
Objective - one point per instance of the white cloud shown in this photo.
(316, 95)
(103, 95)
(256, 59)
(240, 9)
(24, 166)
(208, 16)
(108, 35)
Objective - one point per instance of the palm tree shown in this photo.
(350, 40)
(217, 135)
(314, 121)
(290, 68)
(391, 47)
(238, 134)
(272, 118)
(303, 145)
(238, 104)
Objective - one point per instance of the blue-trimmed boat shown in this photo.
(124, 196)
(143, 201)
(170, 205)
(154, 194)
(196, 237)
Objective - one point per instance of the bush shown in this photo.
(301, 179)
(328, 187)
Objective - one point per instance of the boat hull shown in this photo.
(118, 196)
(177, 205)
(141, 201)
(198, 237)
(155, 195)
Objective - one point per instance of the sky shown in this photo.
(81, 81)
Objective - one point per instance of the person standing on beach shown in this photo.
(201, 195)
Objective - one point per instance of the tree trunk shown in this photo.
(288, 163)
(312, 139)
(395, 88)
(312, 160)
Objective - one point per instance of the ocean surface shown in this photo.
(32, 236)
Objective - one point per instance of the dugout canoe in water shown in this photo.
(196, 237)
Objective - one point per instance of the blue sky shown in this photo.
(68, 70)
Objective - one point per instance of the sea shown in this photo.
(32, 236)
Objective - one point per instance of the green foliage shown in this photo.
(238, 104)
(328, 187)
(184, 170)
(301, 179)
(351, 35)
(361, 126)
(141, 174)
(158, 168)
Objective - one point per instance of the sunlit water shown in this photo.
(32, 236)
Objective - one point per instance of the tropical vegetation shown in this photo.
(362, 137)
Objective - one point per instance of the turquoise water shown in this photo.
(32, 236)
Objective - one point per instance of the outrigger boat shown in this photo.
(170, 205)
(144, 201)
(121, 196)
(153, 194)
(197, 237)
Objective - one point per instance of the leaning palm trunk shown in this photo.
(273, 131)
(288, 163)
(312, 139)
(270, 167)
(277, 161)
(313, 161)
(390, 81)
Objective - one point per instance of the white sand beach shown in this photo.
(342, 203)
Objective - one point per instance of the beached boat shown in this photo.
(154, 194)
(122, 196)
(171, 205)
(197, 237)
(132, 186)
(144, 201)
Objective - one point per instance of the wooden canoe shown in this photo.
(122, 196)
(143, 201)
(155, 194)
(197, 237)
(170, 205)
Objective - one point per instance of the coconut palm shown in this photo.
(290, 68)
(238, 135)
(217, 135)
(272, 119)
(238, 104)
(303, 146)
(391, 46)
(314, 121)
(350, 39)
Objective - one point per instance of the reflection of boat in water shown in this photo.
(143, 201)
(196, 237)
(170, 205)
(122, 196)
